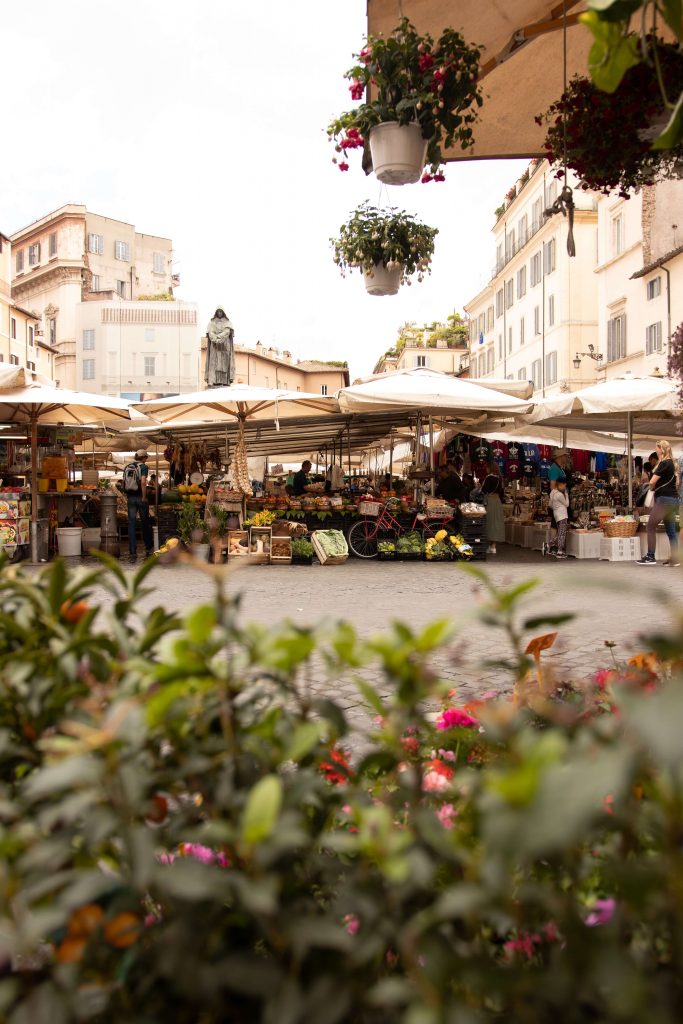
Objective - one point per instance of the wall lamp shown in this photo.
(590, 354)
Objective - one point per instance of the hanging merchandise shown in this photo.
(240, 468)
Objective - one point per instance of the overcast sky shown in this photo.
(205, 122)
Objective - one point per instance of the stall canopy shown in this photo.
(37, 403)
(429, 392)
(521, 65)
(234, 403)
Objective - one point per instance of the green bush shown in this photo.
(196, 837)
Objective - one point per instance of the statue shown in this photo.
(220, 353)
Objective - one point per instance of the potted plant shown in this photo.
(193, 530)
(607, 137)
(302, 551)
(387, 246)
(422, 97)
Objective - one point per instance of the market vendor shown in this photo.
(449, 486)
(301, 479)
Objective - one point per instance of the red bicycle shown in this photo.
(362, 537)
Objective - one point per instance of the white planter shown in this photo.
(382, 281)
(398, 152)
(69, 540)
(200, 551)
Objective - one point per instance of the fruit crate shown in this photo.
(281, 551)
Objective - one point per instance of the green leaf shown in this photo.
(673, 133)
(332, 713)
(612, 53)
(672, 11)
(200, 622)
(371, 696)
(548, 620)
(303, 741)
(434, 635)
(262, 809)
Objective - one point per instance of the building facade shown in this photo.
(640, 278)
(21, 339)
(270, 368)
(136, 350)
(540, 306)
(72, 255)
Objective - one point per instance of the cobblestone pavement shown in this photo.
(611, 601)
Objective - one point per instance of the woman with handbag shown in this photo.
(662, 505)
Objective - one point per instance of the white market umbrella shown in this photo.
(38, 403)
(236, 403)
(427, 391)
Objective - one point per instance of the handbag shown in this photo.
(643, 491)
(649, 499)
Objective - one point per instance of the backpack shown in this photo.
(131, 478)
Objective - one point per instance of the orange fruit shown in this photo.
(85, 920)
(123, 930)
(71, 950)
(73, 612)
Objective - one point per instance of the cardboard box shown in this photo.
(14, 508)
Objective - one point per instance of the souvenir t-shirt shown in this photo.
(481, 457)
(545, 451)
(544, 468)
(600, 462)
(499, 451)
(514, 457)
(529, 459)
(580, 460)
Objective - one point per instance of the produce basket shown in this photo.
(369, 508)
(386, 556)
(325, 542)
(621, 529)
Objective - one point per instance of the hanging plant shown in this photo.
(412, 80)
(609, 136)
(389, 238)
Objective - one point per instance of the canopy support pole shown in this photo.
(156, 489)
(563, 438)
(391, 457)
(348, 446)
(34, 487)
(629, 456)
(431, 454)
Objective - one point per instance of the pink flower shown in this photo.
(603, 677)
(433, 782)
(524, 944)
(454, 718)
(356, 89)
(343, 166)
(447, 815)
(166, 858)
(351, 924)
(602, 913)
(204, 854)
(425, 62)
(425, 178)
(410, 744)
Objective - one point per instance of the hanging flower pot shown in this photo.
(607, 137)
(398, 152)
(387, 246)
(383, 280)
(427, 89)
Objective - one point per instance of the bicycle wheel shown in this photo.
(362, 539)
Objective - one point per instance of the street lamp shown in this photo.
(590, 354)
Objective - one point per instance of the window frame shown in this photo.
(616, 346)
(88, 364)
(551, 368)
(653, 339)
(122, 250)
(88, 339)
(653, 292)
(96, 247)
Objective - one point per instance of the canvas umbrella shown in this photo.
(647, 405)
(427, 391)
(42, 403)
(236, 403)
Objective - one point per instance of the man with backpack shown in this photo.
(135, 489)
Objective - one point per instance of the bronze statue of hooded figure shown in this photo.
(220, 351)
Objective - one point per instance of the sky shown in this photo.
(205, 123)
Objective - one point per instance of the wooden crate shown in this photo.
(281, 551)
(260, 542)
(238, 543)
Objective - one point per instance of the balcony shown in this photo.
(517, 247)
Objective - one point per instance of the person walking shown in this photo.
(135, 488)
(492, 488)
(664, 484)
(559, 506)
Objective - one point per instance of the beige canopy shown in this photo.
(522, 62)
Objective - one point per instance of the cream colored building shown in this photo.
(413, 350)
(21, 340)
(640, 278)
(270, 368)
(540, 306)
(72, 255)
(136, 350)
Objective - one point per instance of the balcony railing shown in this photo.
(512, 250)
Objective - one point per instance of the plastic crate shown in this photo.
(620, 549)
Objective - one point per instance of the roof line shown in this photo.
(657, 263)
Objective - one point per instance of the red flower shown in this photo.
(410, 744)
(425, 178)
(454, 718)
(425, 62)
(331, 770)
(343, 166)
(356, 89)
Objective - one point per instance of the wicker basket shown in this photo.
(618, 529)
(369, 508)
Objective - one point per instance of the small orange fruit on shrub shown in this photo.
(123, 930)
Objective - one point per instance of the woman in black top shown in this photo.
(492, 487)
(664, 483)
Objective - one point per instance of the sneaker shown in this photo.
(560, 554)
(647, 560)
(671, 561)
(491, 551)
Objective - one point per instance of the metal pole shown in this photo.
(348, 445)
(34, 486)
(629, 455)
(391, 456)
(431, 454)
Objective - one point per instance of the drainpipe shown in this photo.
(668, 312)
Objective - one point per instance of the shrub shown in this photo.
(203, 838)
